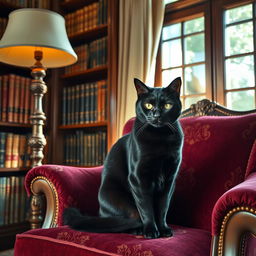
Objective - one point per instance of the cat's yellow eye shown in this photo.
(148, 106)
(167, 106)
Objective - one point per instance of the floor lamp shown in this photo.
(36, 38)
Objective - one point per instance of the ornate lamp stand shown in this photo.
(38, 87)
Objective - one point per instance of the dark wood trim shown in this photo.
(6, 8)
(8, 124)
(8, 234)
(113, 27)
(79, 126)
(182, 4)
(89, 35)
(181, 15)
(91, 73)
(73, 5)
(158, 72)
(208, 53)
(4, 172)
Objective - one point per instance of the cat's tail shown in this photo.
(73, 218)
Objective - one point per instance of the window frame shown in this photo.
(218, 18)
(213, 11)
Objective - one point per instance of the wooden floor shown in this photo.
(7, 253)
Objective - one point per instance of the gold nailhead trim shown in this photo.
(223, 226)
(55, 195)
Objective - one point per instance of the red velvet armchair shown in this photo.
(213, 211)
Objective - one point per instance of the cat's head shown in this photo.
(158, 106)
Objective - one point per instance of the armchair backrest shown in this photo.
(216, 153)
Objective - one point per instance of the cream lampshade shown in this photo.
(36, 38)
(31, 29)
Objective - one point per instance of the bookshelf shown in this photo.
(97, 130)
(15, 129)
(102, 35)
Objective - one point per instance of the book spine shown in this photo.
(11, 106)
(1, 93)
(7, 201)
(28, 152)
(16, 200)
(86, 105)
(22, 150)
(77, 98)
(64, 106)
(82, 105)
(85, 156)
(22, 99)
(27, 101)
(2, 149)
(15, 151)
(17, 93)
(5, 98)
(22, 199)
(2, 200)
(8, 150)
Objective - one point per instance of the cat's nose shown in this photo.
(156, 114)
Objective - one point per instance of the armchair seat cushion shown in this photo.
(64, 241)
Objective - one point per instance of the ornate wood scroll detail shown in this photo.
(203, 107)
(206, 107)
(36, 215)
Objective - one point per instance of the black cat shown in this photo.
(140, 170)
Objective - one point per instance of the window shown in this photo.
(211, 45)
(239, 58)
(183, 54)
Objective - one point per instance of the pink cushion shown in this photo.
(63, 241)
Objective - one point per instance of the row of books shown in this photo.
(85, 149)
(85, 103)
(3, 23)
(89, 56)
(30, 3)
(15, 99)
(14, 150)
(87, 18)
(13, 200)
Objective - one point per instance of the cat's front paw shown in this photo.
(166, 232)
(136, 231)
(151, 232)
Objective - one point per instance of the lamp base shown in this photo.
(38, 87)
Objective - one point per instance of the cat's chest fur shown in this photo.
(156, 142)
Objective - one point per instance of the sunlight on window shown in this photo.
(238, 14)
(241, 100)
(239, 58)
(240, 72)
(183, 55)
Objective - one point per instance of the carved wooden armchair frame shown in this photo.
(237, 222)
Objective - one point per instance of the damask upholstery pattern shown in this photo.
(214, 160)
(118, 244)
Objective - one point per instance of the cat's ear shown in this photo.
(140, 87)
(175, 85)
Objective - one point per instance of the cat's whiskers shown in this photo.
(139, 131)
(172, 127)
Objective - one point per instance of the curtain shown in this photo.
(140, 24)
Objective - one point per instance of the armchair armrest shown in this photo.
(61, 186)
(233, 216)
